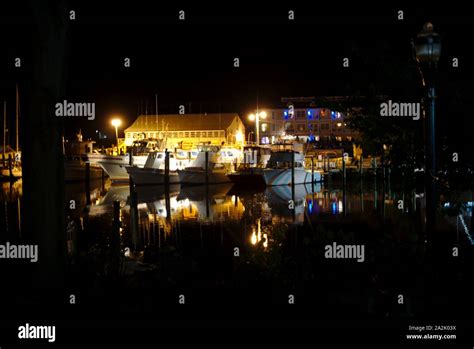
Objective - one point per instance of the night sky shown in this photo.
(191, 62)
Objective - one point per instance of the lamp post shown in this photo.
(248, 137)
(116, 123)
(256, 117)
(428, 52)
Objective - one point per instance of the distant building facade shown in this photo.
(304, 123)
(307, 119)
(188, 130)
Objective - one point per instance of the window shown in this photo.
(216, 134)
(198, 134)
(180, 134)
(186, 134)
(301, 127)
(273, 127)
(273, 115)
(193, 134)
(300, 114)
(324, 126)
(222, 133)
(264, 127)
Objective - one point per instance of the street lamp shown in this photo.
(256, 117)
(248, 137)
(428, 52)
(116, 123)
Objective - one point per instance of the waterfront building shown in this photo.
(188, 130)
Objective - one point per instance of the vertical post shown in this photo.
(361, 165)
(17, 112)
(167, 168)
(88, 184)
(167, 186)
(115, 240)
(328, 170)
(312, 169)
(344, 207)
(206, 168)
(130, 162)
(293, 169)
(102, 176)
(431, 167)
(344, 171)
(293, 183)
(4, 132)
(257, 126)
(134, 218)
(10, 172)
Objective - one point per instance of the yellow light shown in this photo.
(116, 122)
(263, 115)
(339, 124)
(253, 238)
(239, 137)
(252, 117)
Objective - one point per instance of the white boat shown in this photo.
(153, 172)
(115, 166)
(250, 170)
(279, 171)
(195, 173)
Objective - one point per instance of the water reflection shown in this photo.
(160, 215)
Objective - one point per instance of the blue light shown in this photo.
(309, 112)
(285, 113)
(310, 206)
(334, 208)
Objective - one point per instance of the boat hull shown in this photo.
(274, 177)
(116, 169)
(196, 177)
(144, 176)
(248, 178)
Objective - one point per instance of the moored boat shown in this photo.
(153, 172)
(198, 173)
(287, 168)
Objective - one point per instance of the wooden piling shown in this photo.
(206, 168)
(10, 170)
(87, 183)
(167, 168)
(293, 168)
(115, 239)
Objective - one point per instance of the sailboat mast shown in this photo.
(17, 112)
(4, 130)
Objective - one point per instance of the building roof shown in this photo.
(182, 122)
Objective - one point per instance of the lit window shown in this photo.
(264, 127)
(193, 134)
(216, 134)
(286, 115)
(180, 134)
(186, 134)
(198, 134)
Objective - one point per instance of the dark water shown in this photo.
(214, 243)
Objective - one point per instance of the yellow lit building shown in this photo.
(188, 130)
